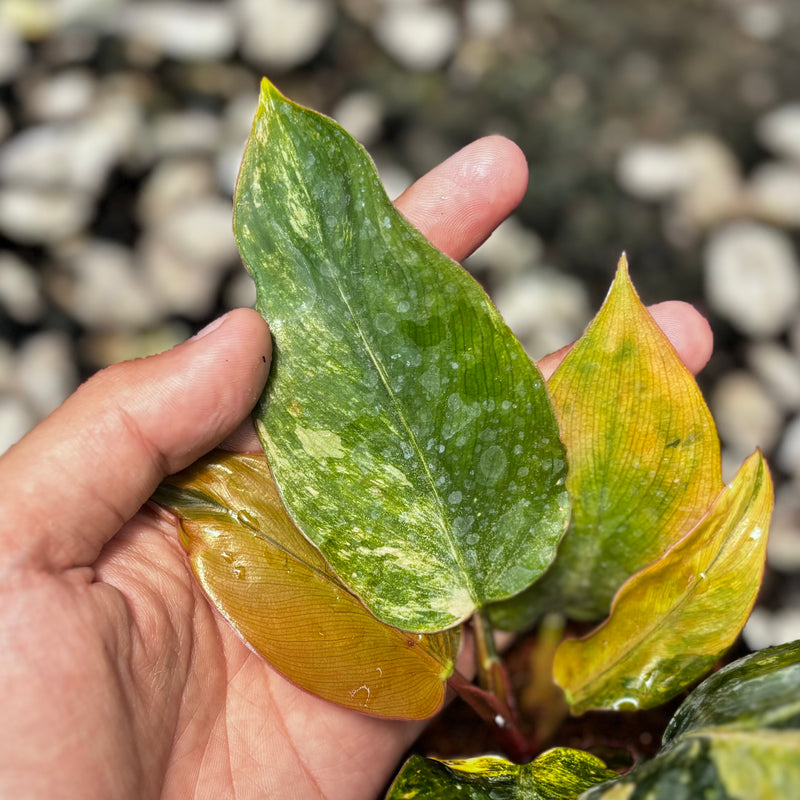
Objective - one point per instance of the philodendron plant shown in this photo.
(420, 476)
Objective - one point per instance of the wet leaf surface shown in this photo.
(672, 621)
(644, 460)
(559, 774)
(412, 439)
(278, 592)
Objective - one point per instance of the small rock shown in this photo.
(202, 232)
(779, 131)
(283, 34)
(788, 456)
(763, 21)
(770, 628)
(181, 30)
(184, 132)
(13, 54)
(361, 115)
(747, 416)
(43, 216)
(174, 183)
(103, 349)
(63, 96)
(652, 171)
(419, 36)
(240, 291)
(16, 419)
(779, 371)
(45, 371)
(511, 249)
(20, 296)
(783, 546)
(773, 194)
(100, 287)
(752, 277)
(395, 179)
(488, 19)
(712, 191)
(545, 309)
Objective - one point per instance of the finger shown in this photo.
(460, 202)
(686, 328)
(89, 466)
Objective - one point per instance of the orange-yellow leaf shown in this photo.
(278, 592)
(643, 456)
(673, 620)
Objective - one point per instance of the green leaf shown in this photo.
(673, 620)
(643, 453)
(279, 594)
(736, 736)
(558, 774)
(411, 438)
(761, 690)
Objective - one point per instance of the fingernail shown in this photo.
(210, 328)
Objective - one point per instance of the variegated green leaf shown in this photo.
(411, 438)
(672, 621)
(736, 737)
(277, 591)
(558, 774)
(644, 460)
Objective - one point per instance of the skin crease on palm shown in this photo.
(119, 679)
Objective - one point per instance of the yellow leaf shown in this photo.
(278, 592)
(673, 620)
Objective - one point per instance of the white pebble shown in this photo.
(45, 371)
(652, 171)
(488, 19)
(783, 546)
(181, 30)
(747, 416)
(173, 183)
(779, 371)
(283, 34)
(419, 36)
(773, 193)
(99, 286)
(16, 419)
(13, 54)
(788, 456)
(779, 130)
(19, 290)
(752, 277)
(62, 96)
(512, 248)
(769, 628)
(43, 216)
(361, 115)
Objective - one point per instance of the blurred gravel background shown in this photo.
(668, 129)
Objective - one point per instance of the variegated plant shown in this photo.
(418, 475)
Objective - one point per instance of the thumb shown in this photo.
(78, 476)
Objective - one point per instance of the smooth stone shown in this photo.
(45, 371)
(43, 216)
(20, 295)
(713, 190)
(284, 34)
(752, 277)
(488, 19)
(240, 291)
(173, 183)
(779, 131)
(747, 416)
(652, 171)
(103, 349)
(779, 371)
(16, 419)
(787, 457)
(181, 30)
(13, 54)
(773, 193)
(185, 132)
(361, 115)
(783, 546)
(99, 286)
(769, 628)
(511, 249)
(418, 36)
(544, 308)
(62, 96)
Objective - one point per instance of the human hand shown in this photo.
(119, 678)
